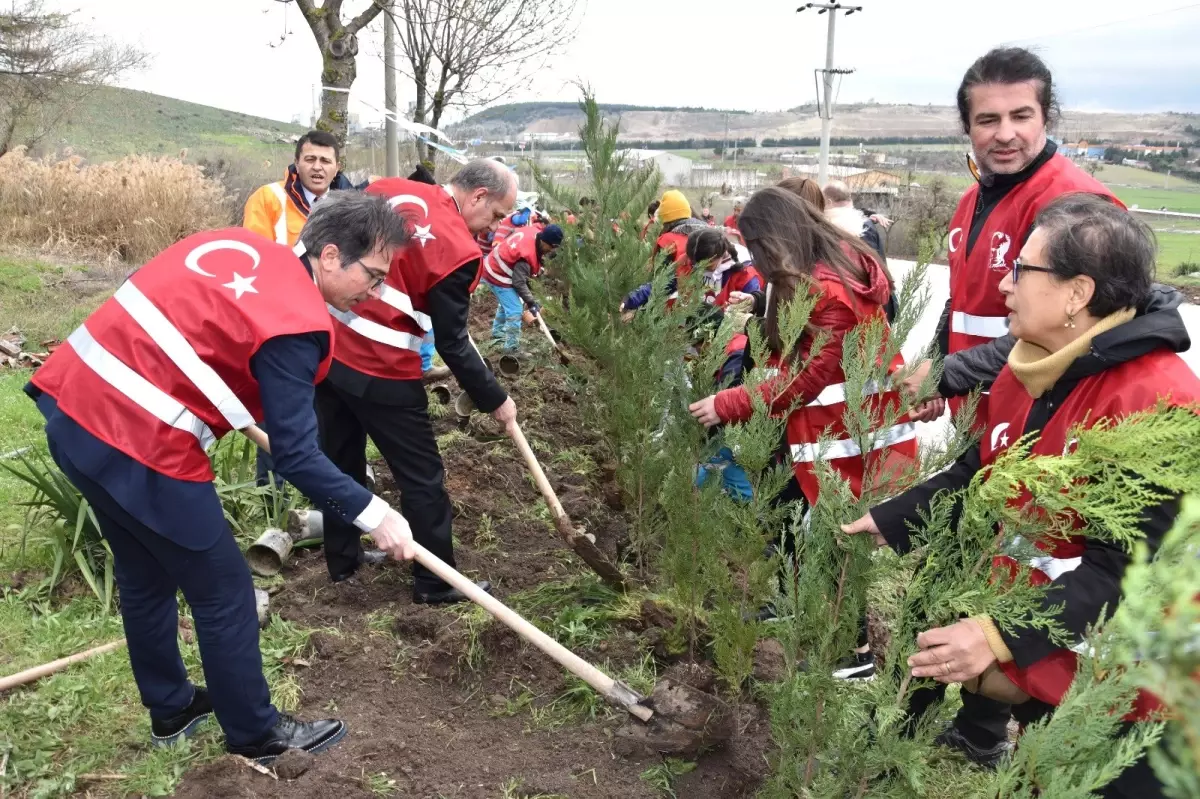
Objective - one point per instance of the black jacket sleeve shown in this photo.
(520, 282)
(449, 305)
(977, 367)
(942, 337)
(894, 516)
(1090, 588)
(285, 368)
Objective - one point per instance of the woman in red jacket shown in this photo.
(800, 253)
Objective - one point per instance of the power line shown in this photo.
(1073, 31)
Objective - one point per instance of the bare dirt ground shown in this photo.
(445, 710)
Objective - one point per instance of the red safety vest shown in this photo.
(519, 246)
(162, 368)
(823, 414)
(1112, 394)
(740, 277)
(382, 337)
(977, 310)
(674, 244)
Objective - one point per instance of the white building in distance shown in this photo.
(674, 169)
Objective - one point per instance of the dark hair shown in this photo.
(787, 237)
(584, 202)
(1009, 65)
(1089, 235)
(320, 138)
(708, 243)
(357, 222)
(806, 189)
(653, 209)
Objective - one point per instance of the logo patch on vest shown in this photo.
(1000, 436)
(1001, 243)
(239, 285)
(422, 233)
(955, 239)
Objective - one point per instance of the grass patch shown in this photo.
(662, 777)
(89, 719)
(48, 301)
(1184, 201)
(1175, 249)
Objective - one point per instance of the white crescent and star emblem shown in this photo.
(239, 285)
(955, 239)
(422, 233)
(1000, 436)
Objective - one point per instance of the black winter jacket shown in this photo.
(1082, 593)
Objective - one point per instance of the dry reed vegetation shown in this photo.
(127, 210)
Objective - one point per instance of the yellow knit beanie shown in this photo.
(674, 206)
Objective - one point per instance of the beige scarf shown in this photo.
(1039, 369)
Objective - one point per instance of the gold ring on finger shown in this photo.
(946, 667)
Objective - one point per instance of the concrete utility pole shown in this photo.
(392, 143)
(827, 75)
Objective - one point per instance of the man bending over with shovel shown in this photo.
(221, 331)
(374, 386)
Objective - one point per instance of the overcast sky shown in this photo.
(738, 54)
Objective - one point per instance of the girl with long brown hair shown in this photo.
(801, 254)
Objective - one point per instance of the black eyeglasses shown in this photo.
(1018, 267)
(376, 277)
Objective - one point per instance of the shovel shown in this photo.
(584, 546)
(614, 691)
(562, 356)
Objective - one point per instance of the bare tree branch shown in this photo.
(48, 64)
(364, 19)
(467, 53)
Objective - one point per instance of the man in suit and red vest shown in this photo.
(1005, 102)
(220, 331)
(374, 386)
(508, 269)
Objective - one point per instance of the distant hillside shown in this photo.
(850, 121)
(519, 115)
(117, 122)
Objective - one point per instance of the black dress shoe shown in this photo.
(447, 596)
(989, 757)
(289, 733)
(372, 557)
(164, 732)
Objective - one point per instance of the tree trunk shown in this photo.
(336, 79)
(338, 43)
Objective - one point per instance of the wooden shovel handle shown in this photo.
(546, 330)
(609, 688)
(539, 476)
(46, 669)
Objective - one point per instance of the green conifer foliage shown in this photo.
(706, 553)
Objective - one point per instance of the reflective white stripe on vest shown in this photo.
(150, 319)
(982, 326)
(495, 267)
(499, 278)
(141, 391)
(1051, 566)
(281, 236)
(376, 332)
(1055, 567)
(848, 447)
(835, 394)
(403, 303)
